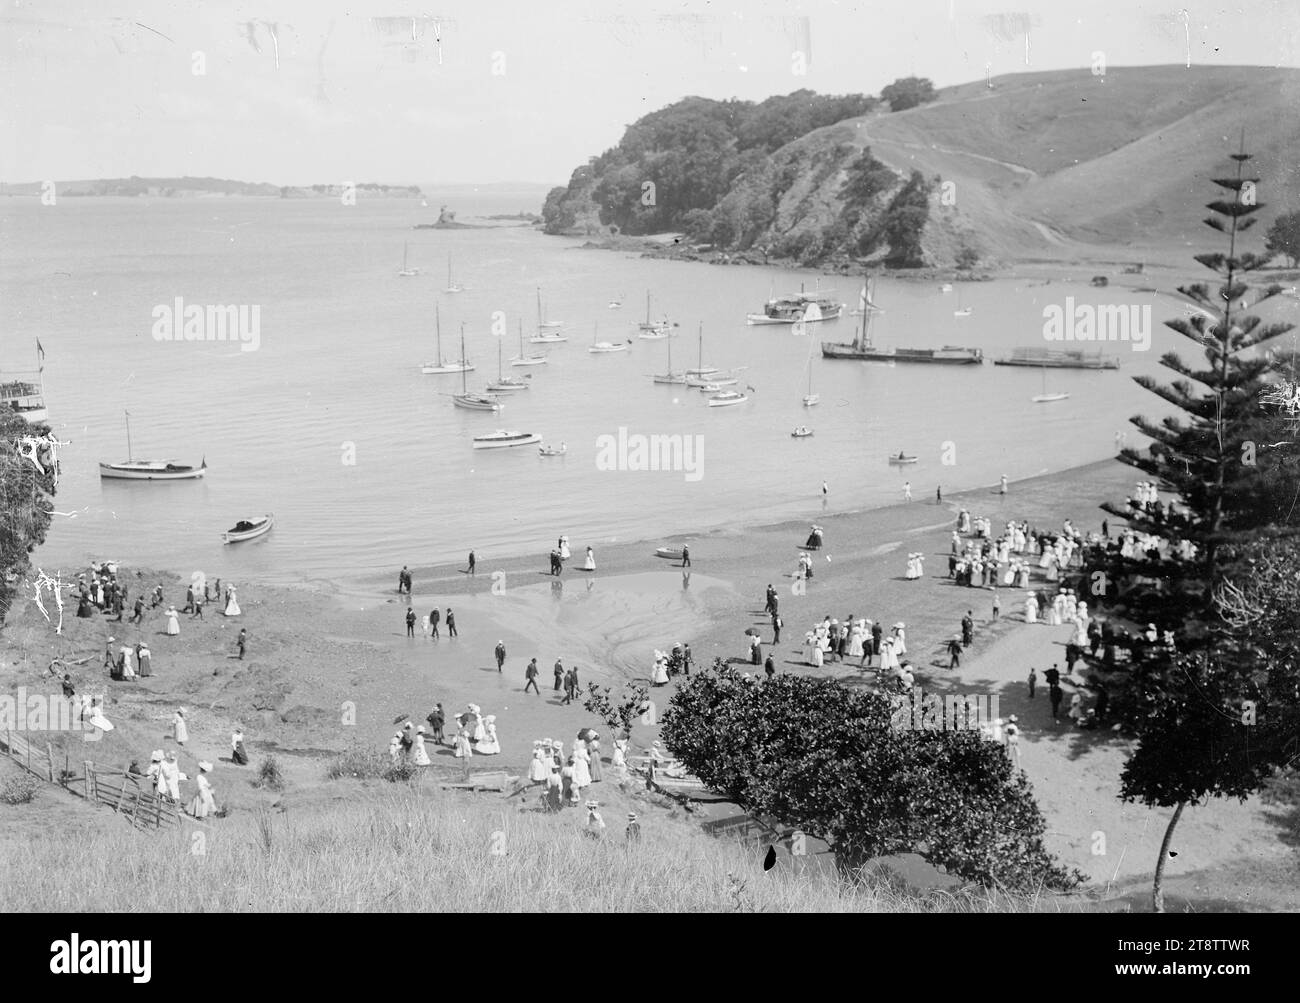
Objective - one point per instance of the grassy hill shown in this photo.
(1042, 165)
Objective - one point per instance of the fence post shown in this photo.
(121, 795)
(49, 759)
(90, 793)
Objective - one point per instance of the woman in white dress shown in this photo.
(888, 659)
(169, 773)
(203, 803)
(581, 766)
(593, 760)
(464, 750)
(537, 767)
(489, 746)
(619, 759)
(154, 773)
(474, 723)
(900, 638)
(1031, 609)
(418, 754)
(590, 563)
(564, 548)
(173, 622)
(232, 601)
(180, 729)
(659, 674)
(855, 639)
(395, 748)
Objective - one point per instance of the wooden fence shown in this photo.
(128, 794)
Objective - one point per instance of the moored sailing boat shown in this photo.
(507, 384)
(407, 271)
(863, 349)
(524, 359)
(452, 285)
(670, 376)
(1045, 397)
(654, 330)
(544, 336)
(440, 366)
(149, 470)
(467, 400)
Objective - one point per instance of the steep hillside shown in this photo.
(1038, 165)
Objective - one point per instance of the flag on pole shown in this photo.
(40, 354)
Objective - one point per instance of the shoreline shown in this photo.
(616, 557)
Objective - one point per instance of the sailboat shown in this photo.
(523, 359)
(149, 470)
(961, 311)
(407, 271)
(654, 330)
(543, 336)
(545, 325)
(467, 400)
(670, 376)
(1045, 397)
(507, 384)
(452, 286)
(440, 366)
(810, 398)
(604, 346)
(863, 349)
(701, 369)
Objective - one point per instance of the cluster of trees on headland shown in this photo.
(720, 170)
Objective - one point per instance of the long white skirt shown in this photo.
(1031, 612)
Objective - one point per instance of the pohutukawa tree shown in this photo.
(25, 503)
(1197, 710)
(832, 761)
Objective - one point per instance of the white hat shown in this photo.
(205, 766)
(156, 756)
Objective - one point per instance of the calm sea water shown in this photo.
(342, 337)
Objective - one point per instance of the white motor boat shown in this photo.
(801, 432)
(503, 439)
(605, 346)
(727, 398)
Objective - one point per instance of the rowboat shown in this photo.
(1048, 398)
(727, 398)
(716, 384)
(902, 459)
(247, 530)
(149, 470)
(559, 450)
(801, 432)
(502, 439)
(669, 553)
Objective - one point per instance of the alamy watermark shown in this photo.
(918, 711)
(178, 322)
(636, 451)
(46, 712)
(1108, 322)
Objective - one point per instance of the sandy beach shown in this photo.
(325, 672)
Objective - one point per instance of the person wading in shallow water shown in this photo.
(434, 617)
(500, 654)
(451, 623)
(471, 562)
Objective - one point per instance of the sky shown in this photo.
(299, 92)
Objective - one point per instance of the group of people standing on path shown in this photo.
(430, 624)
(476, 733)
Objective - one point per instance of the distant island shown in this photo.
(187, 187)
(447, 221)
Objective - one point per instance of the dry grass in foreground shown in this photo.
(406, 851)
